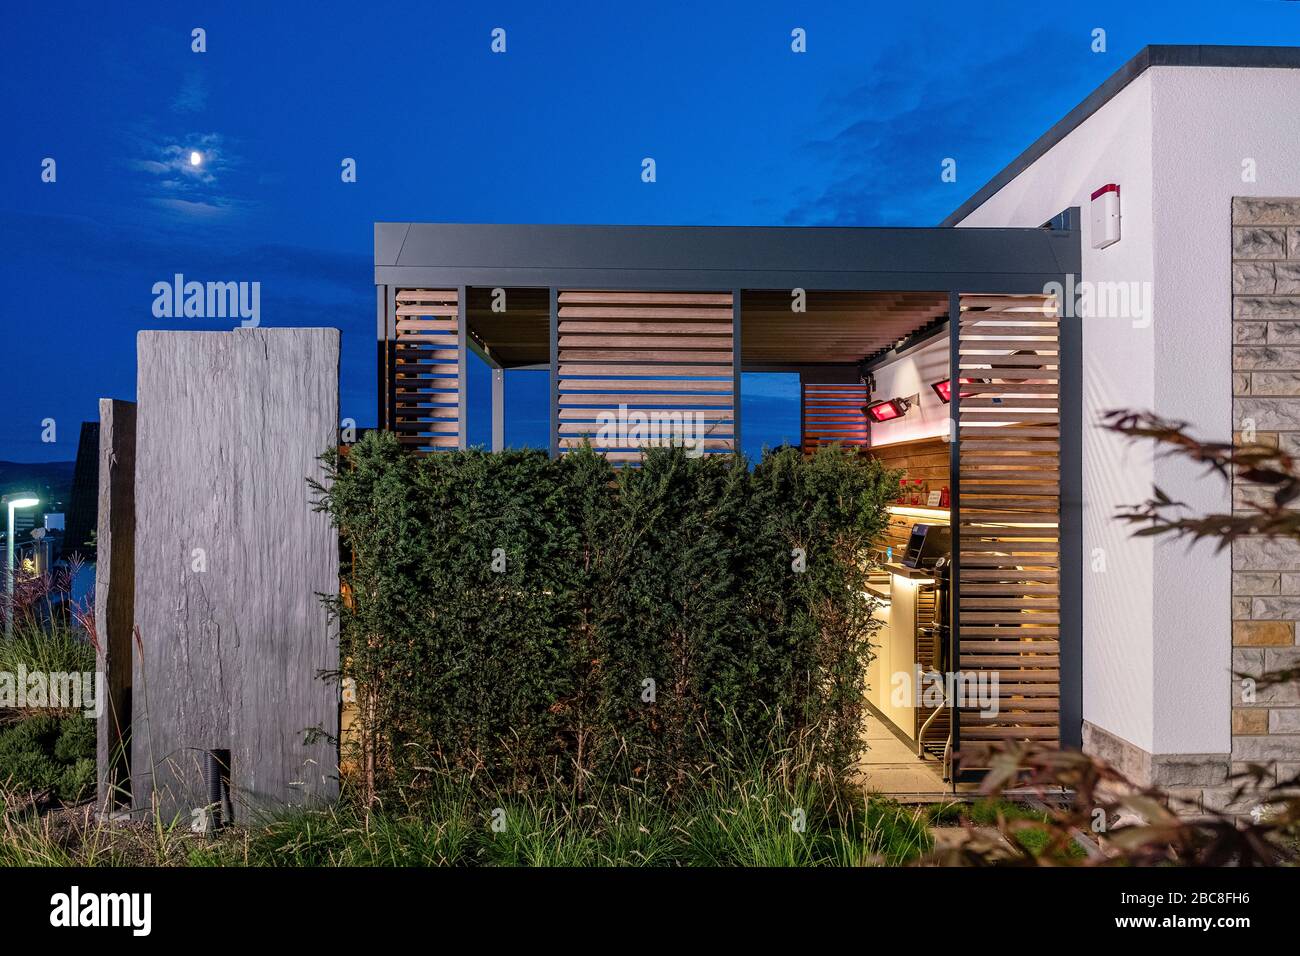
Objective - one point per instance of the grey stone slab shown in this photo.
(1257, 278)
(1190, 770)
(1268, 414)
(1265, 384)
(1275, 608)
(1272, 747)
(1281, 658)
(1265, 554)
(1287, 279)
(1247, 661)
(230, 559)
(1250, 358)
(115, 595)
(1254, 242)
(1285, 307)
(1284, 721)
(1250, 333)
(1265, 210)
(1250, 583)
(1281, 333)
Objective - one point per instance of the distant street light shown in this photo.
(15, 501)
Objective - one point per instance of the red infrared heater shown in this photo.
(887, 411)
(944, 389)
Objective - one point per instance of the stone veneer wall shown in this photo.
(1266, 400)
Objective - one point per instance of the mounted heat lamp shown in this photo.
(887, 410)
(944, 389)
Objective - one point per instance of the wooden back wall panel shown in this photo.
(927, 458)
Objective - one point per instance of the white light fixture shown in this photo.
(15, 501)
(1105, 216)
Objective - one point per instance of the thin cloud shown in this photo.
(172, 181)
(893, 131)
(193, 95)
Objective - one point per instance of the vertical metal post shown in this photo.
(555, 373)
(736, 368)
(10, 558)
(498, 408)
(390, 359)
(1070, 405)
(462, 385)
(803, 416)
(381, 356)
(954, 516)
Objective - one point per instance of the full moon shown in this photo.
(195, 158)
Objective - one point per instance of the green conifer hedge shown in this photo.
(561, 623)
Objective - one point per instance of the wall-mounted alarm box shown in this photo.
(1105, 216)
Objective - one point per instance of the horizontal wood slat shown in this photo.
(427, 390)
(647, 369)
(644, 356)
(644, 368)
(638, 299)
(832, 413)
(1008, 579)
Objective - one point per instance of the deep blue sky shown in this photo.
(743, 130)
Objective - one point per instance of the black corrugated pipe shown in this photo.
(216, 770)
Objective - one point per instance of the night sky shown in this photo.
(742, 129)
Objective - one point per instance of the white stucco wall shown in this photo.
(1207, 121)
(1113, 145)
(1157, 621)
(911, 375)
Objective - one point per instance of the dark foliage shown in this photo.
(563, 624)
(48, 758)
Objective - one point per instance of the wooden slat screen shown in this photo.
(833, 413)
(1009, 517)
(666, 355)
(427, 387)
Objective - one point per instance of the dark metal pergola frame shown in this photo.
(956, 261)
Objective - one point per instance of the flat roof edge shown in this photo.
(1268, 57)
(686, 257)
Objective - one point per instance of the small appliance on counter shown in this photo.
(928, 543)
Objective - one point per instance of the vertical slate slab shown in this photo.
(230, 560)
(115, 594)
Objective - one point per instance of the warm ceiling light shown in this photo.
(944, 389)
(887, 411)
